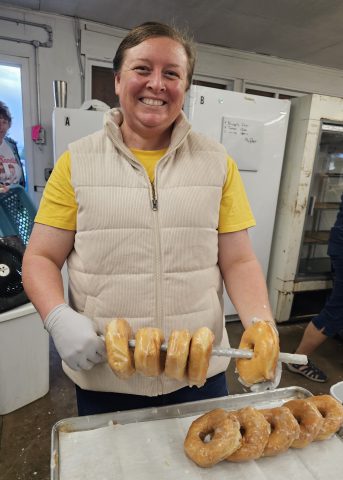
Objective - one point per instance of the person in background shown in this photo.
(329, 322)
(11, 170)
(151, 217)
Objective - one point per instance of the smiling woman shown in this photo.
(152, 217)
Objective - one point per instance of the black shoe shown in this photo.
(309, 371)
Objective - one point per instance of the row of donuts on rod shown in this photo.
(248, 433)
(187, 355)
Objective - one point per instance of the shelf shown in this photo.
(314, 266)
(320, 237)
(327, 205)
(331, 175)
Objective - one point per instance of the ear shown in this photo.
(117, 84)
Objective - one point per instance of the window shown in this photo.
(272, 92)
(209, 84)
(219, 83)
(11, 95)
(103, 85)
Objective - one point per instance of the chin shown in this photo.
(154, 122)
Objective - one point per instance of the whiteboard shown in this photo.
(243, 139)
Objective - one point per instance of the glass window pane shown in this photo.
(324, 200)
(103, 86)
(262, 93)
(11, 95)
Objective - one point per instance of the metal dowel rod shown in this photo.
(237, 353)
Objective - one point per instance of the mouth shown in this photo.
(153, 102)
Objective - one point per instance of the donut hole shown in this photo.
(242, 430)
(322, 411)
(298, 418)
(207, 436)
(272, 426)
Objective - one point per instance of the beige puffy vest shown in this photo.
(147, 253)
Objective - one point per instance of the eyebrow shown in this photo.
(149, 61)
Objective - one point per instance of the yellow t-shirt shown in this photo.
(58, 207)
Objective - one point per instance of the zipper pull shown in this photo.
(154, 203)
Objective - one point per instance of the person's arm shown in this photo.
(74, 334)
(44, 257)
(243, 277)
(245, 284)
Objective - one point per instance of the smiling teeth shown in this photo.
(151, 101)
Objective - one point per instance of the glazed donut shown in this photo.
(199, 356)
(284, 430)
(119, 356)
(262, 338)
(332, 412)
(224, 435)
(177, 354)
(148, 358)
(309, 419)
(255, 433)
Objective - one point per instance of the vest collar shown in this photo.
(113, 119)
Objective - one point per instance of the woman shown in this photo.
(146, 198)
(11, 170)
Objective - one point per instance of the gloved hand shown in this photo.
(269, 384)
(75, 339)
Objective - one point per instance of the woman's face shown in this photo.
(4, 126)
(151, 86)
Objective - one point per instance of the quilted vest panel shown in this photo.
(154, 266)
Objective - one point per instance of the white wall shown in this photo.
(99, 43)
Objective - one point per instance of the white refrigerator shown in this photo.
(253, 130)
(70, 124)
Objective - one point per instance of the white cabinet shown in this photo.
(309, 197)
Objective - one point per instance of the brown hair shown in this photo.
(154, 29)
(5, 113)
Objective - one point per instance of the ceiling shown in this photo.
(309, 31)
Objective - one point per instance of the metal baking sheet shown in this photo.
(232, 402)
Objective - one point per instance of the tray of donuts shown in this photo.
(266, 435)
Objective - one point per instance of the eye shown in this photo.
(142, 69)
(171, 74)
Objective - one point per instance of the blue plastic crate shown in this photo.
(17, 213)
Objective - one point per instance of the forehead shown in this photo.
(162, 49)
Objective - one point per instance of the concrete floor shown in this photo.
(25, 433)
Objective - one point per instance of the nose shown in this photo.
(156, 81)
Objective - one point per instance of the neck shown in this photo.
(146, 141)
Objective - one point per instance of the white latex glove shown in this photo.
(269, 384)
(75, 339)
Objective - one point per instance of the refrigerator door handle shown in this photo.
(311, 205)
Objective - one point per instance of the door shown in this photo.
(15, 93)
(324, 200)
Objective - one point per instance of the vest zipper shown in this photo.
(154, 202)
(158, 272)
